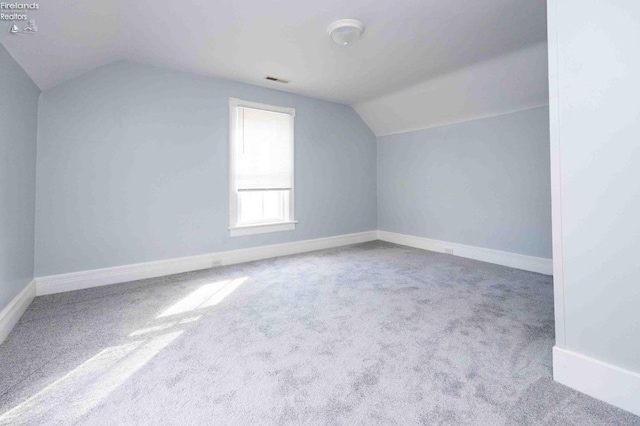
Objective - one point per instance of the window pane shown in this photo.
(263, 206)
(250, 207)
(272, 205)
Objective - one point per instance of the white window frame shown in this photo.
(236, 230)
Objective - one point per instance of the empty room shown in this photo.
(319, 213)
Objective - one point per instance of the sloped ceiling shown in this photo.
(404, 43)
(512, 82)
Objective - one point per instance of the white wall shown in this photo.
(595, 146)
(505, 84)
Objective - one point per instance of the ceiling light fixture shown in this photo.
(345, 31)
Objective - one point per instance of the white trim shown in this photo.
(556, 172)
(119, 274)
(12, 313)
(235, 102)
(286, 249)
(233, 191)
(598, 379)
(473, 118)
(263, 228)
(98, 277)
(512, 260)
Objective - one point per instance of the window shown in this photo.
(261, 168)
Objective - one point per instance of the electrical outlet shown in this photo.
(448, 250)
(216, 263)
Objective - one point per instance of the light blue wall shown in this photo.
(483, 183)
(18, 134)
(133, 167)
(597, 134)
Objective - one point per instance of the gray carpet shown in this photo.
(361, 335)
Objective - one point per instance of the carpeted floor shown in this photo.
(371, 334)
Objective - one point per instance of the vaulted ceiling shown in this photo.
(404, 43)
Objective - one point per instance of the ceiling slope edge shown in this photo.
(509, 83)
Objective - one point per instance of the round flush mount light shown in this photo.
(345, 31)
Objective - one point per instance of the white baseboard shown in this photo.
(98, 277)
(598, 379)
(119, 274)
(10, 315)
(277, 250)
(512, 260)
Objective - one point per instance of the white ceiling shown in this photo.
(404, 42)
(512, 82)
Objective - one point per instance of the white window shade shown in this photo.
(264, 150)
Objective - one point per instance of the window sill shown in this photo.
(262, 228)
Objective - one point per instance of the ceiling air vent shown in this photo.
(278, 80)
